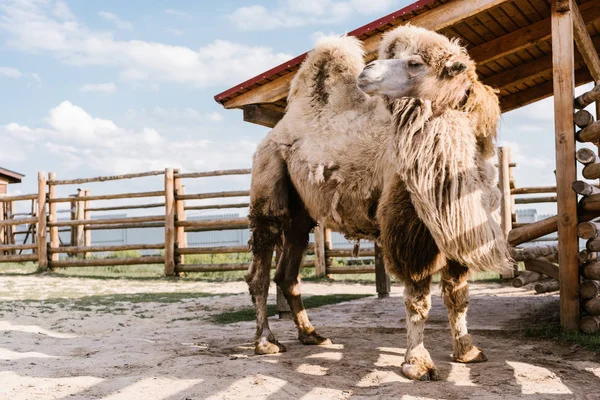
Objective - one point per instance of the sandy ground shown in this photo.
(52, 349)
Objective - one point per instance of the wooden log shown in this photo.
(525, 278)
(42, 237)
(590, 324)
(592, 306)
(224, 267)
(6, 199)
(534, 190)
(593, 244)
(504, 184)
(105, 178)
(586, 256)
(382, 279)
(126, 207)
(588, 229)
(54, 238)
(589, 289)
(79, 213)
(109, 221)
(202, 196)
(533, 231)
(95, 249)
(584, 43)
(320, 263)
(550, 285)
(533, 252)
(218, 206)
(328, 247)
(105, 262)
(531, 200)
(170, 232)
(583, 118)
(125, 226)
(16, 247)
(351, 270)
(213, 250)
(262, 115)
(590, 203)
(591, 171)
(543, 266)
(348, 253)
(207, 174)
(586, 156)
(114, 196)
(3, 240)
(216, 224)
(589, 134)
(584, 188)
(19, 258)
(588, 98)
(180, 234)
(591, 270)
(21, 221)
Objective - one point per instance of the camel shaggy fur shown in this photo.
(407, 165)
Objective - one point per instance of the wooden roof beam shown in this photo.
(438, 18)
(584, 43)
(527, 36)
(262, 115)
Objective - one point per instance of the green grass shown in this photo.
(248, 314)
(552, 331)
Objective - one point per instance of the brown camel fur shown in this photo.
(408, 165)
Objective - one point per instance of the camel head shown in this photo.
(418, 63)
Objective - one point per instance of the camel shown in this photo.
(398, 151)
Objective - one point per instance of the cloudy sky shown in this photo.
(112, 86)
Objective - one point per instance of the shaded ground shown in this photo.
(81, 338)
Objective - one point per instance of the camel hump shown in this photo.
(329, 71)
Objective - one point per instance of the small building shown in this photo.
(6, 177)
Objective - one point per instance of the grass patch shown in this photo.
(247, 314)
(552, 331)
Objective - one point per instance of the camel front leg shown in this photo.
(417, 300)
(455, 292)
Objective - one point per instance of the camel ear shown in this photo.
(454, 68)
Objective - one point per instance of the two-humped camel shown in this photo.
(408, 165)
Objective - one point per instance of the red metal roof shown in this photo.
(297, 60)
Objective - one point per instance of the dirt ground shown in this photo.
(87, 348)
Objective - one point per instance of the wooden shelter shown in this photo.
(528, 49)
(7, 176)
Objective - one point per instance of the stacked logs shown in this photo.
(589, 290)
(539, 267)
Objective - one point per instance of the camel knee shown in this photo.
(289, 286)
(417, 300)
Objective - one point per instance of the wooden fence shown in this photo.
(171, 198)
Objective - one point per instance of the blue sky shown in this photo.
(105, 87)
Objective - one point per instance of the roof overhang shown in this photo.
(10, 176)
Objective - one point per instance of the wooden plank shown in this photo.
(260, 115)
(170, 232)
(214, 195)
(207, 174)
(19, 258)
(108, 221)
(351, 270)
(213, 250)
(6, 199)
(125, 207)
(157, 193)
(348, 253)
(218, 206)
(181, 235)
(566, 173)
(504, 184)
(584, 43)
(105, 178)
(21, 221)
(543, 266)
(96, 249)
(105, 262)
(534, 190)
(532, 200)
(320, 262)
(54, 238)
(13, 247)
(42, 237)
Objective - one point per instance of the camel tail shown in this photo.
(329, 72)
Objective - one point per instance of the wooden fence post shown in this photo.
(328, 246)
(169, 223)
(382, 279)
(73, 213)
(283, 308)
(79, 212)
(506, 199)
(563, 82)
(181, 240)
(320, 261)
(10, 230)
(2, 230)
(54, 239)
(87, 239)
(41, 224)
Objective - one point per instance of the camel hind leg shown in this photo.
(455, 292)
(295, 241)
(268, 216)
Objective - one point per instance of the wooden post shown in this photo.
(328, 246)
(2, 230)
(41, 224)
(80, 229)
(320, 261)
(169, 223)
(566, 174)
(10, 236)
(382, 279)
(181, 241)
(283, 308)
(54, 239)
(506, 200)
(87, 240)
(597, 103)
(73, 205)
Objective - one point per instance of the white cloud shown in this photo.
(187, 113)
(76, 139)
(295, 13)
(31, 27)
(118, 22)
(99, 87)
(9, 72)
(62, 11)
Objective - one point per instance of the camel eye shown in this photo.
(414, 64)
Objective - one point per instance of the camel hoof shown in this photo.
(475, 355)
(419, 372)
(266, 346)
(313, 339)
